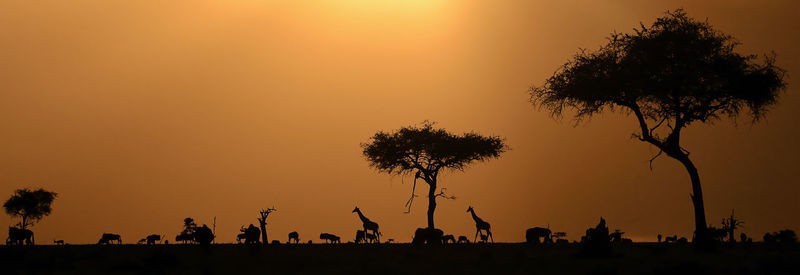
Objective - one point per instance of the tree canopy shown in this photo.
(30, 205)
(427, 150)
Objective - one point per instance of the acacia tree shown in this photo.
(30, 205)
(425, 151)
(677, 72)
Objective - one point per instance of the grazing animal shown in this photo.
(330, 238)
(616, 236)
(294, 236)
(109, 238)
(203, 235)
(309, 242)
(462, 239)
(480, 225)
(671, 239)
(18, 236)
(431, 236)
(390, 241)
(276, 242)
(142, 241)
(184, 237)
(484, 238)
(368, 224)
(59, 242)
(536, 234)
(371, 238)
(448, 238)
(152, 239)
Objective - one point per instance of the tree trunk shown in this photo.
(431, 203)
(263, 225)
(702, 236)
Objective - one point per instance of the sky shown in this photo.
(141, 113)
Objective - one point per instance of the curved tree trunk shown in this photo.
(431, 203)
(701, 229)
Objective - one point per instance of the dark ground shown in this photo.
(640, 258)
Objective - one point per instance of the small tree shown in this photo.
(29, 205)
(426, 150)
(729, 225)
(676, 72)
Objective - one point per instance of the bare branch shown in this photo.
(654, 158)
(443, 195)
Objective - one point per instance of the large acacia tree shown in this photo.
(425, 151)
(30, 205)
(670, 75)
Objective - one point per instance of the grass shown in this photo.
(640, 258)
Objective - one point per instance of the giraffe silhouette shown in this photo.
(368, 224)
(480, 225)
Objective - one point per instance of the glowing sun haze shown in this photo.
(141, 113)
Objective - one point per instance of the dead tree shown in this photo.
(262, 221)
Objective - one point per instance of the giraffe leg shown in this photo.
(490, 235)
(476, 235)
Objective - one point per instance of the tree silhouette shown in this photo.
(674, 73)
(262, 221)
(426, 150)
(31, 206)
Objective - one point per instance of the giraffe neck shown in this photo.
(475, 217)
(361, 216)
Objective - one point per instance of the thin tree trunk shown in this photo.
(263, 224)
(701, 230)
(431, 204)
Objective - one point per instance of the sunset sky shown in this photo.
(141, 113)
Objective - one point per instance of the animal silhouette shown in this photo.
(448, 238)
(672, 239)
(462, 239)
(142, 241)
(430, 236)
(184, 237)
(250, 234)
(484, 238)
(276, 242)
(361, 236)
(480, 225)
(203, 235)
(59, 242)
(109, 238)
(659, 238)
(294, 236)
(19, 236)
(152, 239)
(390, 241)
(536, 234)
(368, 224)
(330, 238)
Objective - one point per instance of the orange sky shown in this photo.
(141, 113)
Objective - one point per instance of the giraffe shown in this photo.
(480, 225)
(368, 225)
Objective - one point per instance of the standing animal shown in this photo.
(109, 238)
(534, 235)
(480, 225)
(484, 238)
(368, 224)
(462, 239)
(59, 242)
(151, 239)
(184, 237)
(18, 236)
(330, 238)
(448, 238)
(361, 236)
(431, 236)
(203, 235)
(294, 236)
(250, 234)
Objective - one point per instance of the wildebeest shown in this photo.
(18, 235)
(294, 236)
(330, 238)
(536, 234)
(250, 234)
(109, 238)
(463, 239)
(153, 238)
(184, 237)
(431, 236)
(448, 238)
(59, 242)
